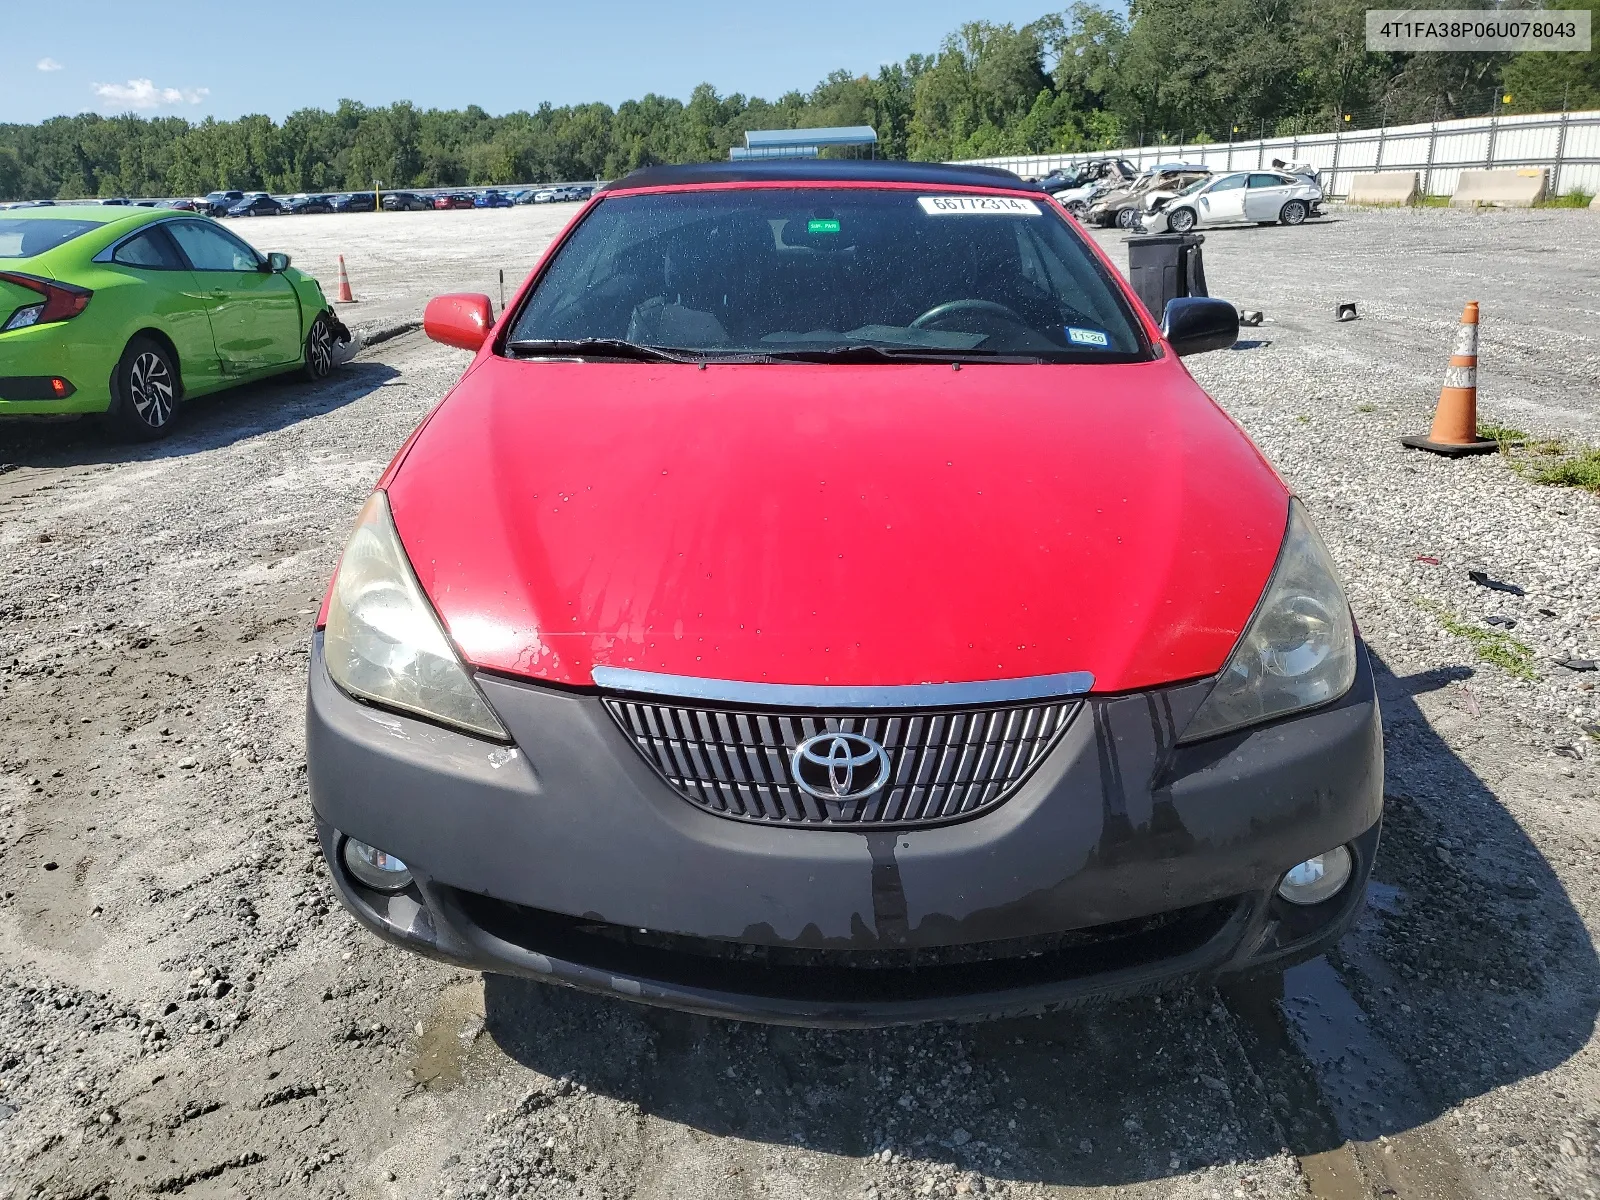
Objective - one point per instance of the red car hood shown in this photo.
(862, 525)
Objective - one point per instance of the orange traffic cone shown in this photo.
(344, 296)
(1455, 420)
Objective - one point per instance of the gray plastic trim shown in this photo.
(802, 695)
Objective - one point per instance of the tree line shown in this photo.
(1087, 78)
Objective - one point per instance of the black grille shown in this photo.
(943, 765)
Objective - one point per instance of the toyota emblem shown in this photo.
(839, 766)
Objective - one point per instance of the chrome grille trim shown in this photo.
(830, 696)
(945, 764)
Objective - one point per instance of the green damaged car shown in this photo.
(128, 312)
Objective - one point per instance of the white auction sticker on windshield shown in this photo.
(973, 206)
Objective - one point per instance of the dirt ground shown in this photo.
(185, 1009)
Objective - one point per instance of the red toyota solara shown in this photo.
(827, 599)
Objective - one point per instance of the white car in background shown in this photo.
(1266, 197)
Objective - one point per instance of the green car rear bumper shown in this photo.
(57, 350)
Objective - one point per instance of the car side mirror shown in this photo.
(460, 319)
(1195, 324)
(277, 262)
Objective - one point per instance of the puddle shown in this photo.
(450, 1032)
(1364, 1084)
(1349, 1106)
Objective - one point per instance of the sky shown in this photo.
(224, 59)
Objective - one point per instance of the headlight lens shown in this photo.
(1300, 648)
(383, 641)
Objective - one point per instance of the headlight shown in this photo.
(1299, 650)
(383, 641)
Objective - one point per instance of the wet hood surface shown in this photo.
(865, 525)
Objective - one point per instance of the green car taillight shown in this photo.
(58, 302)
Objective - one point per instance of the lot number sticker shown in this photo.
(973, 206)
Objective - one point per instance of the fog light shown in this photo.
(1317, 879)
(376, 868)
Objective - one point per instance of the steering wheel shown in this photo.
(939, 311)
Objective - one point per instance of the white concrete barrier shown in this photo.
(1499, 189)
(1384, 187)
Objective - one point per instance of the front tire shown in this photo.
(319, 349)
(1181, 221)
(1293, 213)
(1126, 218)
(146, 391)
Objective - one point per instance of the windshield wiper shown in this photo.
(868, 352)
(593, 347)
(860, 352)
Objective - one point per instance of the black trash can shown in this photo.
(1164, 267)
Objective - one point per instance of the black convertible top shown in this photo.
(820, 170)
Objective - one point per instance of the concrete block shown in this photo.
(1384, 187)
(1500, 189)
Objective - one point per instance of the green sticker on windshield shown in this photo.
(822, 225)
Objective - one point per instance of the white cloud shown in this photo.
(142, 93)
(48, 64)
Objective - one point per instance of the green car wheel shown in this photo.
(148, 391)
(319, 348)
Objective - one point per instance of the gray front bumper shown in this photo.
(520, 852)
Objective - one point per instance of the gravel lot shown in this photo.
(184, 1008)
(397, 260)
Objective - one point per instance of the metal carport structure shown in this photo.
(803, 143)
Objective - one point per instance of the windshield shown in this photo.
(22, 238)
(774, 271)
(1196, 185)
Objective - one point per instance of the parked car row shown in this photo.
(260, 204)
(1177, 196)
(572, 191)
(113, 201)
(235, 203)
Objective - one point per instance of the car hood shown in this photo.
(861, 525)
